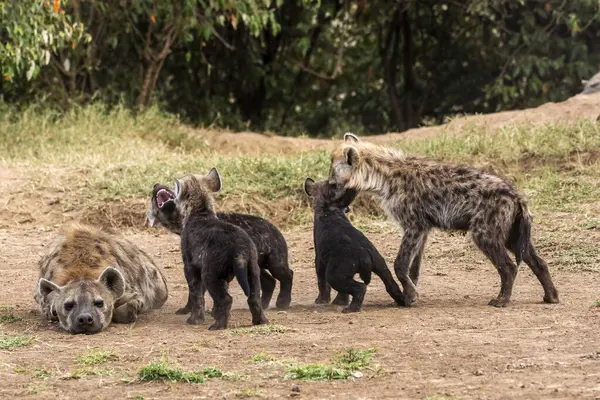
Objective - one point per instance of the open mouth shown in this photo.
(164, 196)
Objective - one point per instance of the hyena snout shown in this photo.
(85, 320)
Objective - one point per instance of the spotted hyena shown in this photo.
(270, 244)
(422, 194)
(214, 251)
(90, 277)
(342, 251)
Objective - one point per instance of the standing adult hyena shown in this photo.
(89, 278)
(421, 195)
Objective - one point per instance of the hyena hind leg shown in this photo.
(540, 269)
(507, 269)
(411, 243)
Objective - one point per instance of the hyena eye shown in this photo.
(99, 303)
(69, 305)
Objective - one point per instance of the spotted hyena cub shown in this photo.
(89, 278)
(341, 250)
(214, 251)
(421, 195)
(270, 245)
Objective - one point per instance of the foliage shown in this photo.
(300, 66)
(29, 32)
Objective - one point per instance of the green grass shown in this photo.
(96, 357)
(342, 367)
(262, 357)
(249, 393)
(9, 318)
(14, 342)
(163, 371)
(553, 163)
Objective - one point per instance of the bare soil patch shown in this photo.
(450, 344)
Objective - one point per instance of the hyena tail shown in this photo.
(521, 231)
(241, 272)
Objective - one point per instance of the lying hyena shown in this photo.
(89, 278)
(270, 244)
(421, 195)
(213, 252)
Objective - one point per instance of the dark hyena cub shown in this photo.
(421, 195)
(270, 245)
(214, 251)
(341, 250)
(89, 278)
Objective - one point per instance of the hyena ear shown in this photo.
(45, 287)
(309, 185)
(350, 138)
(177, 188)
(113, 280)
(351, 156)
(150, 219)
(214, 180)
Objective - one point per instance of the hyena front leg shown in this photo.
(411, 245)
(128, 308)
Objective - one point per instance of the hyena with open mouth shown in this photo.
(422, 195)
(270, 244)
(89, 278)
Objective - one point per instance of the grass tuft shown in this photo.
(164, 372)
(262, 357)
(9, 318)
(13, 342)
(96, 357)
(343, 367)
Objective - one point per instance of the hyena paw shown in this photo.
(341, 300)
(351, 309)
(195, 320)
(183, 310)
(551, 299)
(125, 314)
(499, 302)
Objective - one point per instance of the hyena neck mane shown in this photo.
(199, 213)
(374, 171)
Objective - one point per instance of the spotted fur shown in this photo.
(422, 195)
(91, 274)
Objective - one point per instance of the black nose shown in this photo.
(85, 320)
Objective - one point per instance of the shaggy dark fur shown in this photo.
(341, 250)
(270, 245)
(213, 252)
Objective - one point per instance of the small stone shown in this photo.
(478, 372)
(295, 388)
(522, 385)
(350, 322)
(356, 374)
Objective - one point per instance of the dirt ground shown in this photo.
(449, 344)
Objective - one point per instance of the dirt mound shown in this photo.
(247, 143)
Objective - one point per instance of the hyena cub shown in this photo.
(270, 245)
(89, 278)
(341, 250)
(421, 195)
(214, 251)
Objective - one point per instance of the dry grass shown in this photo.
(100, 165)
